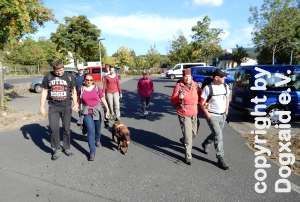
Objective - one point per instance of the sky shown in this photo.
(140, 24)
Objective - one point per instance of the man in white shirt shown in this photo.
(216, 113)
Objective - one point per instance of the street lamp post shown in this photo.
(100, 62)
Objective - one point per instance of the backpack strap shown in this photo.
(211, 91)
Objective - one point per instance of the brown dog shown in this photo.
(122, 133)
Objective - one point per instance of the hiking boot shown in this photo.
(98, 144)
(68, 152)
(205, 148)
(92, 157)
(189, 162)
(223, 164)
(56, 153)
(182, 141)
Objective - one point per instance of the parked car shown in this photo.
(245, 78)
(176, 71)
(230, 71)
(199, 73)
(36, 84)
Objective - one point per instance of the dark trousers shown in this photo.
(55, 114)
(145, 103)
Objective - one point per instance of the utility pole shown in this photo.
(1, 86)
(100, 62)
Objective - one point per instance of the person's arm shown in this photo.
(175, 95)
(138, 87)
(119, 86)
(152, 86)
(75, 103)
(203, 105)
(42, 101)
(104, 85)
(106, 106)
(227, 101)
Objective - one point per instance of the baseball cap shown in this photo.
(219, 72)
(80, 68)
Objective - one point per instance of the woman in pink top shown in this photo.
(112, 89)
(145, 89)
(92, 112)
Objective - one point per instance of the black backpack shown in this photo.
(207, 82)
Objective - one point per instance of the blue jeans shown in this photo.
(93, 131)
(145, 103)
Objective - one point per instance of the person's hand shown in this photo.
(206, 105)
(207, 116)
(107, 114)
(75, 108)
(181, 96)
(121, 96)
(42, 111)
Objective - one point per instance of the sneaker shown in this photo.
(205, 148)
(68, 152)
(98, 144)
(189, 162)
(146, 112)
(223, 164)
(56, 154)
(182, 141)
(92, 157)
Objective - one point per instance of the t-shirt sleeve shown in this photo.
(100, 92)
(44, 82)
(205, 92)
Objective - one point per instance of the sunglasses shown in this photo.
(89, 80)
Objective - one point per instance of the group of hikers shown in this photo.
(60, 88)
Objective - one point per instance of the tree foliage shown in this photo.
(80, 37)
(20, 18)
(240, 54)
(153, 57)
(206, 41)
(180, 50)
(139, 61)
(276, 28)
(124, 57)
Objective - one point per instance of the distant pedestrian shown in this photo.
(79, 77)
(186, 96)
(145, 89)
(216, 113)
(112, 89)
(59, 86)
(92, 113)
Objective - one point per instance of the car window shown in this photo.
(294, 84)
(242, 78)
(177, 67)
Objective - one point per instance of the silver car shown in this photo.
(36, 84)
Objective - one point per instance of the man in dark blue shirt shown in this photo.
(79, 77)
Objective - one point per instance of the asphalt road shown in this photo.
(153, 169)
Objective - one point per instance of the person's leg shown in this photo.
(147, 104)
(54, 116)
(110, 103)
(116, 101)
(216, 123)
(66, 122)
(186, 127)
(90, 125)
(97, 124)
(143, 101)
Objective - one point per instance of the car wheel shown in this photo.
(172, 76)
(38, 88)
(274, 118)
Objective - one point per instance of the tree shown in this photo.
(239, 54)
(108, 60)
(139, 62)
(20, 18)
(180, 50)
(153, 57)
(124, 57)
(206, 41)
(79, 37)
(276, 27)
